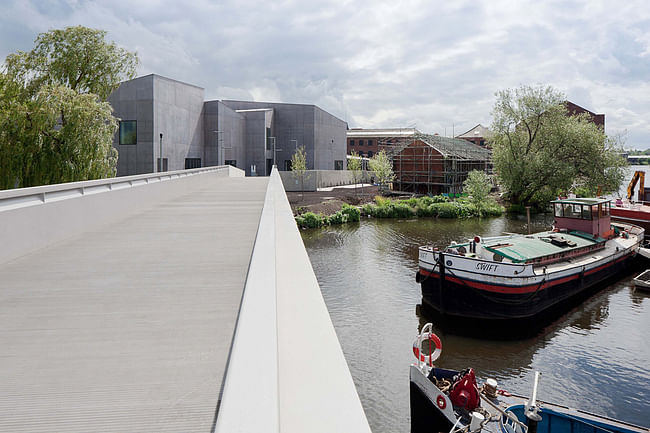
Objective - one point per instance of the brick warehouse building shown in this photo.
(575, 109)
(431, 164)
(367, 142)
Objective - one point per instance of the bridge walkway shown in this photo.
(128, 326)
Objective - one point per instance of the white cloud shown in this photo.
(378, 63)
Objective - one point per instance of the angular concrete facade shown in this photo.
(206, 133)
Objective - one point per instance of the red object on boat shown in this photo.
(464, 393)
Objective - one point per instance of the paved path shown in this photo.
(128, 328)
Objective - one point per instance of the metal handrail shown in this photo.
(23, 197)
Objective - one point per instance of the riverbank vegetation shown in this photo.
(422, 207)
(311, 220)
(439, 206)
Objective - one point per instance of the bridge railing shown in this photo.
(31, 218)
(22, 197)
(286, 371)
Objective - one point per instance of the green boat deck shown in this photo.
(532, 248)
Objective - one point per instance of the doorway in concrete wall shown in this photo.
(269, 166)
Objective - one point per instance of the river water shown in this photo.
(596, 357)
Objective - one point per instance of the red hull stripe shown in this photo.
(518, 289)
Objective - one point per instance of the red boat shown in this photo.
(630, 212)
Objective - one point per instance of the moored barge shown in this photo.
(519, 277)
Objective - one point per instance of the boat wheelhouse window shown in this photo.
(572, 210)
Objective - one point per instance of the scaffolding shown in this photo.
(431, 164)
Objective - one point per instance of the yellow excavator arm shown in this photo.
(639, 176)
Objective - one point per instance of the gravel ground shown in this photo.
(329, 202)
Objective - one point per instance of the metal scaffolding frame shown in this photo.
(438, 165)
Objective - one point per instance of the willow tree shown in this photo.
(55, 123)
(540, 150)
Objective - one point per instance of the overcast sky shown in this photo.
(429, 64)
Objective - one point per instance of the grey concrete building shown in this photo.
(199, 133)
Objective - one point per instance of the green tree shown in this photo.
(76, 57)
(383, 168)
(539, 150)
(478, 186)
(55, 125)
(299, 168)
(355, 165)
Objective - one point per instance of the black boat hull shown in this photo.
(457, 299)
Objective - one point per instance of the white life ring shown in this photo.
(417, 344)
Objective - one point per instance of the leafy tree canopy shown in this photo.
(539, 150)
(383, 167)
(478, 186)
(55, 125)
(299, 167)
(76, 57)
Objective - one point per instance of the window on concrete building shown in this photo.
(287, 165)
(269, 166)
(164, 165)
(128, 132)
(369, 142)
(351, 142)
(360, 142)
(269, 145)
(338, 164)
(232, 162)
(192, 163)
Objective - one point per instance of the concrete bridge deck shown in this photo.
(128, 327)
(118, 311)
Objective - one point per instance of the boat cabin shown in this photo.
(588, 215)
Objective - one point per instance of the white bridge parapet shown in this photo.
(287, 372)
(23, 214)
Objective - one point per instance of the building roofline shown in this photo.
(164, 78)
(583, 108)
(284, 103)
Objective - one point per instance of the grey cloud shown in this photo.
(378, 63)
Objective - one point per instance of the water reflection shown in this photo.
(594, 357)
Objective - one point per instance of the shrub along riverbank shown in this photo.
(436, 206)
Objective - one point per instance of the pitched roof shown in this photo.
(448, 147)
(385, 132)
(477, 131)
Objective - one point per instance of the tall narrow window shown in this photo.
(128, 132)
(351, 142)
(287, 165)
(360, 142)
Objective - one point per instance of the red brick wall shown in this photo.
(365, 147)
(417, 165)
(573, 109)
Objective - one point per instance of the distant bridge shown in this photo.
(181, 302)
